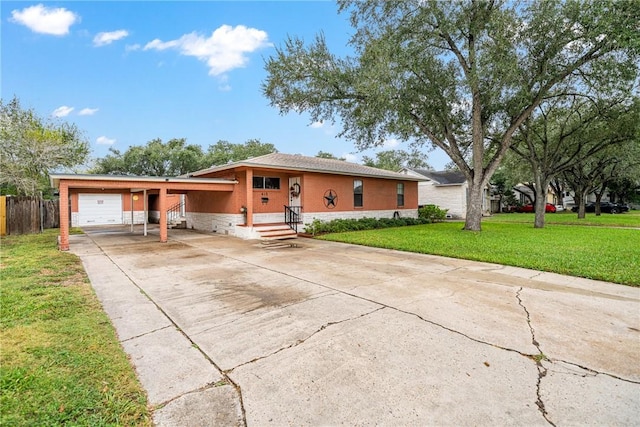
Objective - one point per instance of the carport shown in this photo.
(162, 186)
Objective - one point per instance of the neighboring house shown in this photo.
(446, 189)
(525, 195)
(241, 198)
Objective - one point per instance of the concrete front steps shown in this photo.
(270, 232)
(177, 223)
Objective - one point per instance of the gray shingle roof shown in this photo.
(443, 177)
(298, 162)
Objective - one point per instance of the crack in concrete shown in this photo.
(146, 333)
(340, 291)
(205, 387)
(593, 373)
(529, 356)
(538, 358)
(303, 340)
(193, 343)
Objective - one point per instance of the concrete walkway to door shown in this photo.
(225, 332)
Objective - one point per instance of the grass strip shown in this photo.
(60, 361)
(609, 254)
(627, 219)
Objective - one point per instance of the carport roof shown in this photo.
(55, 179)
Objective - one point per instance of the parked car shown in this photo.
(605, 207)
(549, 208)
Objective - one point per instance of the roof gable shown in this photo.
(309, 164)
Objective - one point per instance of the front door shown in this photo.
(295, 191)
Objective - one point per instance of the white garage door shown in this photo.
(99, 209)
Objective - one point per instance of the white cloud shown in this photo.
(103, 39)
(317, 125)
(88, 111)
(62, 111)
(41, 19)
(224, 50)
(132, 47)
(391, 143)
(158, 44)
(103, 140)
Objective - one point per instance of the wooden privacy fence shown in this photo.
(25, 215)
(3, 215)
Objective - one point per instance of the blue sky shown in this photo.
(129, 72)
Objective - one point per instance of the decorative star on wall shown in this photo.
(330, 199)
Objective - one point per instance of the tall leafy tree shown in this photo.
(595, 173)
(156, 158)
(176, 157)
(626, 188)
(325, 155)
(502, 184)
(460, 75)
(394, 160)
(567, 131)
(32, 147)
(223, 152)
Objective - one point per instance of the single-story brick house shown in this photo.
(238, 198)
(446, 189)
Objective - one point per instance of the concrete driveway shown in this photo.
(224, 331)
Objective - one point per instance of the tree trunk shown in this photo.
(539, 209)
(539, 204)
(559, 191)
(541, 201)
(582, 197)
(473, 220)
(598, 199)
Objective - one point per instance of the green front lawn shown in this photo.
(60, 360)
(610, 254)
(627, 219)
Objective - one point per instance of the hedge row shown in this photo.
(341, 225)
(426, 214)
